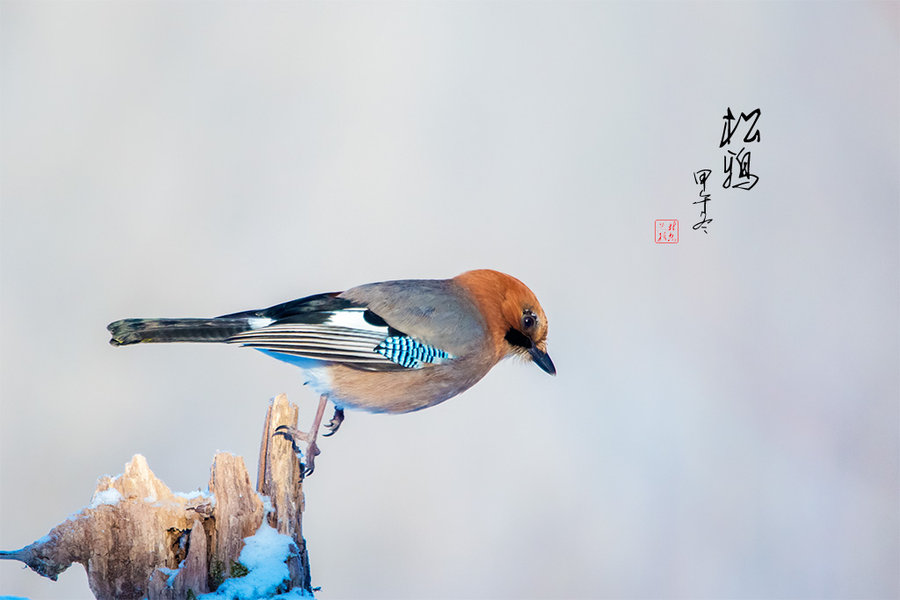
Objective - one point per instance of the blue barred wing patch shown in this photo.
(410, 353)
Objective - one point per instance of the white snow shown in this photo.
(110, 496)
(193, 494)
(264, 555)
(171, 573)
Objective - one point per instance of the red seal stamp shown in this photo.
(665, 231)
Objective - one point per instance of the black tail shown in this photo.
(136, 331)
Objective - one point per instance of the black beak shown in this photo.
(542, 359)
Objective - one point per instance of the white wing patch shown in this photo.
(259, 322)
(354, 318)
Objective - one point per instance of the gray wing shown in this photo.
(333, 329)
(436, 312)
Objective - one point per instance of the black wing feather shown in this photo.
(311, 309)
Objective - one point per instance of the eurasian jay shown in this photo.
(394, 346)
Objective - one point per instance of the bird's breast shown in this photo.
(403, 391)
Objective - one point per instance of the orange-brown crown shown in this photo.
(513, 315)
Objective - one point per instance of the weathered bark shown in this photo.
(136, 533)
(239, 512)
(280, 478)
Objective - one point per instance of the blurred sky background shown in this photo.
(725, 419)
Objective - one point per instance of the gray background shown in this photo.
(725, 419)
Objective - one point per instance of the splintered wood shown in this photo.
(139, 540)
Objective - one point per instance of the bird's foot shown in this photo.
(335, 423)
(294, 435)
(312, 451)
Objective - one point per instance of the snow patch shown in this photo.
(193, 494)
(264, 555)
(110, 496)
(171, 573)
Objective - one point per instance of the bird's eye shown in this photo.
(528, 321)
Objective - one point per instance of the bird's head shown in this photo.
(513, 315)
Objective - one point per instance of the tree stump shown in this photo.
(137, 539)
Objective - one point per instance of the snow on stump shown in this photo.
(137, 539)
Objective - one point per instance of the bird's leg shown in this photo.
(293, 434)
(335, 423)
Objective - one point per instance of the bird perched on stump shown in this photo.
(393, 346)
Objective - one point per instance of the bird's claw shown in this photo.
(335, 423)
(312, 451)
(293, 435)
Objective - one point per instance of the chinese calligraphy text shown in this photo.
(745, 180)
(700, 178)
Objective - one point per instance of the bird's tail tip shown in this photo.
(127, 331)
(138, 331)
